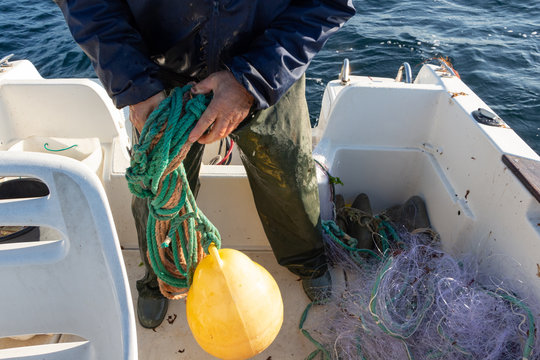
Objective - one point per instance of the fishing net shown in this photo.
(412, 300)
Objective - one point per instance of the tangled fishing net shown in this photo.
(409, 299)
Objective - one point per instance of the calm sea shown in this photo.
(495, 46)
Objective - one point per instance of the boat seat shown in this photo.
(72, 283)
(86, 150)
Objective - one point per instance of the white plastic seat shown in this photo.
(76, 284)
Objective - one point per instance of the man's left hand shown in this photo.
(229, 106)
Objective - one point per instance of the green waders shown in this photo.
(275, 148)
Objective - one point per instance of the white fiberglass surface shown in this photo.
(498, 232)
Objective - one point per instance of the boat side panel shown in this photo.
(396, 141)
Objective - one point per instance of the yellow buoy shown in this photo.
(234, 307)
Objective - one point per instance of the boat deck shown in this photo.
(173, 339)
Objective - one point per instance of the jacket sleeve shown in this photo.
(278, 58)
(105, 31)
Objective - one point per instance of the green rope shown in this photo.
(69, 147)
(531, 332)
(320, 348)
(334, 231)
(173, 119)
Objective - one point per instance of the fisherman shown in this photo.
(252, 56)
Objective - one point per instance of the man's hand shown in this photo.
(229, 106)
(138, 113)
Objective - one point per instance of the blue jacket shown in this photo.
(135, 45)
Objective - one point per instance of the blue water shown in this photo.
(495, 46)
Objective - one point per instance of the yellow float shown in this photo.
(234, 306)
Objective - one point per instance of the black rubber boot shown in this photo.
(318, 289)
(340, 220)
(151, 310)
(340, 202)
(412, 215)
(359, 229)
(355, 221)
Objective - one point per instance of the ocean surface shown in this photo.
(495, 46)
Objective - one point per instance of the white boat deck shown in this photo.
(173, 339)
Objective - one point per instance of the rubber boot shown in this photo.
(151, 310)
(339, 202)
(359, 229)
(318, 289)
(412, 215)
(151, 305)
(340, 220)
(355, 221)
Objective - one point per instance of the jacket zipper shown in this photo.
(212, 46)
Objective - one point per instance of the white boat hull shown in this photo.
(388, 139)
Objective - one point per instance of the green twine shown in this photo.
(333, 230)
(174, 118)
(351, 245)
(531, 333)
(69, 147)
(320, 348)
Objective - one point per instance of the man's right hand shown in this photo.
(138, 113)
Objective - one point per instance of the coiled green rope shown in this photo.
(157, 174)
